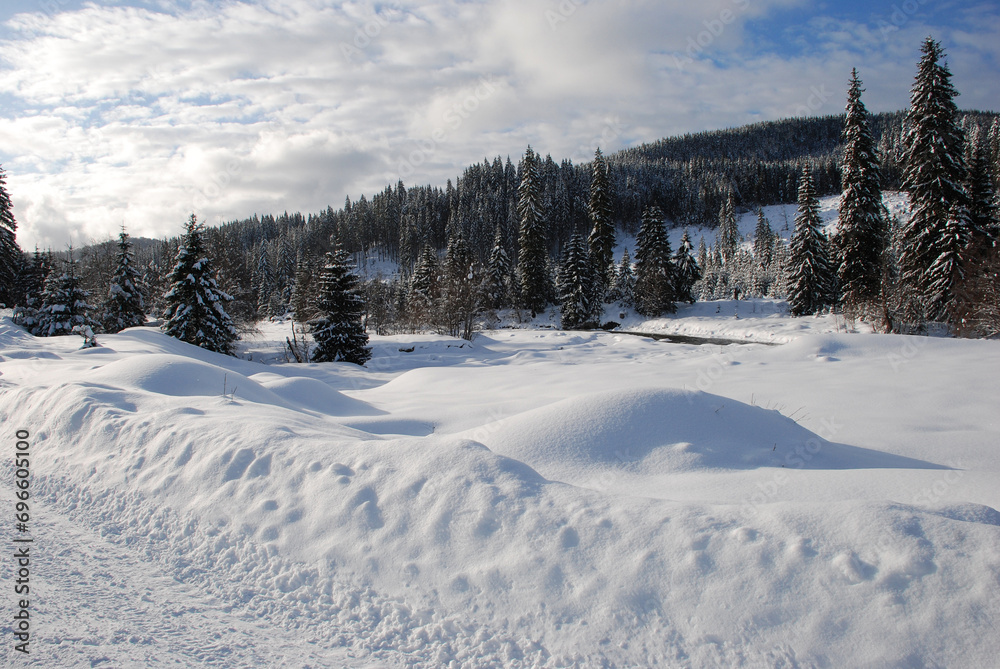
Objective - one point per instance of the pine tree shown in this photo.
(125, 306)
(10, 253)
(338, 331)
(64, 303)
(195, 307)
(533, 256)
(602, 235)
(686, 271)
(576, 282)
(654, 271)
(861, 231)
(938, 233)
(264, 281)
(729, 233)
(811, 273)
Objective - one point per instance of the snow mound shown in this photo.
(179, 376)
(314, 395)
(658, 430)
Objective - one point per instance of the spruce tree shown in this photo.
(602, 235)
(811, 273)
(578, 301)
(195, 306)
(32, 286)
(533, 257)
(938, 233)
(654, 271)
(64, 302)
(10, 253)
(983, 210)
(861, 230)
(338, 330)
(125, 306)
(686, 271)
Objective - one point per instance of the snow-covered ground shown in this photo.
(534, 498)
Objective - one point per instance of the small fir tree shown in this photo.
(338, 330)
(195, 306)
(811, 274)
(125, 305)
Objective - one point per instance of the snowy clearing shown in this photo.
(534, 498)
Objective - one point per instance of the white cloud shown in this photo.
(227, 108)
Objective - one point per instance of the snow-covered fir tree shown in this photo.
(263, 279)
(500, 273)
(654, 270)
(64, 302)
(533, 256)
(424, 288)
(338, 331)
(728, 233)
(303, 291)
(686, 271)
(125, 305)
(195, 309)
(461, 291)
(984, 213)
(10, 252)
(763, 242)
(861, 230)
(623, 286)
(811, 275)
(938, 232)
(576, 282)
(31, 284)
(602, 234)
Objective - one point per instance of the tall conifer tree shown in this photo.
(938, 233)
(533, 257)
(602, 234)
(862, 228)
(10, 253)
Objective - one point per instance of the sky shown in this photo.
(141, 112)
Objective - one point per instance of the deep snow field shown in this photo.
(534, 498)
